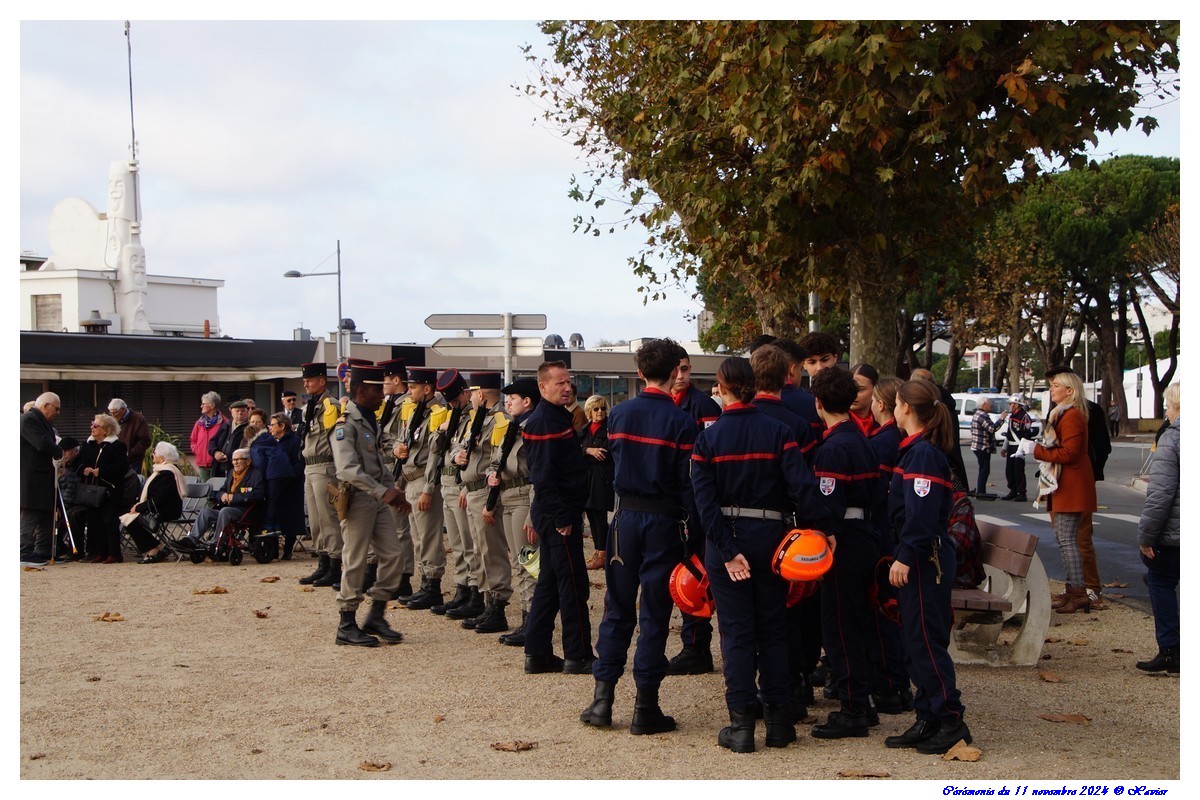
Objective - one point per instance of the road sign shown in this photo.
(486, 346)
(484, 322)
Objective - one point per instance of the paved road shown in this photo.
(1115, 521)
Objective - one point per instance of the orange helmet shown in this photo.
(799, 591)
(803, 555)
(883, 595)
(689, 588)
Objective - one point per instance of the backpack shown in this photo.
(968, 544)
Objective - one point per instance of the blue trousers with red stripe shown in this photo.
(886, 648)
(846, 616)
(562, 588)
(927, 618)
(649, 548)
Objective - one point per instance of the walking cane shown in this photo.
(66, 519)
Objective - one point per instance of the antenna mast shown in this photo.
(129, 55)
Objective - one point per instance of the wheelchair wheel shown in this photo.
(235, 557)
(198, 556)
(262, 557)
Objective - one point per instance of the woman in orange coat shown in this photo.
(1076, 492)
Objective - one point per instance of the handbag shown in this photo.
(150, 519)
(91, 495)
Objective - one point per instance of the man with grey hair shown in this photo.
(983, 442)
(244, 486)
(39, 449)
(134, 433)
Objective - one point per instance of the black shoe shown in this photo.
(897, 702)
(349, 633)
(599, 713)
(842, 725)
(648, 717)
(428, 597)
(515, 638)
(473, 606)
(781, 725)
(318, 573)
(1167, 660)
(493, 621)
(536, 665)
(404, 591)
(578, 666)
(377, 624)
(1009, 496)
(1021, 499)
(691, 661)
(872, 718)
(462, 594)
(332, 576)
(918, 732)
(944, 739)
(469, 622)
(738, 735)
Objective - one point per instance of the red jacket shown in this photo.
(1076, 490)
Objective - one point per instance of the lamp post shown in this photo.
(296, 274)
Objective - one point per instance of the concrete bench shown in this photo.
(1014, 587)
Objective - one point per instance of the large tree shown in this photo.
(837, 157)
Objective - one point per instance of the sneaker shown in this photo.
(34, 561)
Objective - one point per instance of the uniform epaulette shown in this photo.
(437, 415)
(502, 421)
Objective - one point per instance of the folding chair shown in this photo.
(172, 531)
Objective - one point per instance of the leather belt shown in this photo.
(737, 512)
(650, 506)
(411, 473)
(475, 486)
(316, 462)
(854, 513)
(514, 483)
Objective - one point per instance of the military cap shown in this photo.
(451, 384)
(359, 362)
(422, 375)
(316, 369)
(526, 387)
(394, 366)
(366, 373)
(486, 380)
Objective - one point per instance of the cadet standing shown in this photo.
(320, 414)
(369, 524)
(412, 452)
(395, 392)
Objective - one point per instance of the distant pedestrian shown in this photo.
(1114, 418)
(983, 442)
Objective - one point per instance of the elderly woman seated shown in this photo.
(162, 499)
(244, 487)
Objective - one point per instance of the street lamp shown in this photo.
(296, 274)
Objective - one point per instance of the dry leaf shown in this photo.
(1048, 676)
(260, 613)
(1053, 639)
(307, 589)
(1079, 642)
(439, 718)
(93, 678)
(269, 579)
(256, 751)
(1046, 656)
(962, 752)
(33, 569)
(596, 585)
(514, 747)
(110, 616)
(1122, 650)
(1115, 585)
(854, 773)
(1116, 595)
(375, 766)
(213, 590)
(1078, 719)
(36, 756)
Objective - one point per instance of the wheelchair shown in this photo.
(238, 537)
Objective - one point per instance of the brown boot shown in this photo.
(1057, 599)
(1077, 600)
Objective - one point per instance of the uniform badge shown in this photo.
(921, 486)
(828, 485)
(709, 423)
(340, 434)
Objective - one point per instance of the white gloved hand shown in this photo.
(1025, 447)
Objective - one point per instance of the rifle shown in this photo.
(506, 448)
(414, 424)
(476, 432)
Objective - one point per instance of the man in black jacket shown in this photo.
(38, 451)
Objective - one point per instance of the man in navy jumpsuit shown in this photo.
(651, 442)
(559, 476)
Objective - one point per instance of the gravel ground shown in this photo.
(249, 684)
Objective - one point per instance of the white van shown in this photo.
(966, 403)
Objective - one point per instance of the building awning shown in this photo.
(35, 372)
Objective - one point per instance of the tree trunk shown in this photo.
(950, 376)
(1111, 356)
(874, 310)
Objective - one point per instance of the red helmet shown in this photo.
(883, 594)
(799, 591)
(689, 588)
(803, 555)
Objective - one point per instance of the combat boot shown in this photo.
(599, 713)
(461, 595)
(418, 594)
(493, 620)
(349, 633)
(781, 729)
(843, 725)
(691, 661)
(1167, 660)
(516, 638)
(468, 623)
(473, 606)
(369, 577)
(738, 735)
(404, 590)
(429, 596)
(333, 577)
(945, 738)
(648, 717)
(376, 623)
(319, 572)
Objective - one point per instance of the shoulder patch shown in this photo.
(339, 433)
(921, 486)
(828, 485)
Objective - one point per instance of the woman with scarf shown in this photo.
(205, 430)
(162, 496)
(103, 461)
(593, 438)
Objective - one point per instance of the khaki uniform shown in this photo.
(369, 524)
(389, 435)
(515, 498)
(426, 525)
(319, 474)
(467, 569)
(490, 540)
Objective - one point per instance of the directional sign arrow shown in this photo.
(486, 346)
(484, 322)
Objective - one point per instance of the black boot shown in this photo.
(472, 607)
(842, 725)
(897, 702)
(468, 623)
(738, 736)
(918, 732)
(647, 716)
(537, 665)
(289, 543)
(691, 661)
(404, 591)
(319, 572)
(462, 594)
(377, 624)
(429, 596)
(599, 713)
(781, 730)
(492, 621)
(516, 638)
(369, 577)
(1167, 660)
(333, 577)
(349, 632)
(946, 737)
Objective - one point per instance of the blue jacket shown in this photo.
(885, 444)
(250, 490)
(800, 401)
(847, 474)
(557, 469)
(919, 499)
(651, 442)
(799, 426)
(749, 460)
(698, 406)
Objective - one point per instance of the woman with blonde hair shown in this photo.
(1076, 491)
(103, 461)
(593, 438)
(162, 496)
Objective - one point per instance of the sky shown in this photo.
(261, 144)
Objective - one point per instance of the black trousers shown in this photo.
(562, 590)
(1014, 473)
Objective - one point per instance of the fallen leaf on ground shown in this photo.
(33, 569)
(256, 751)
(307, 589)
(1046, 656)
(514, 747)
(260, 613)
(855, 773)
(1116, 595)
(1122, 650)
(439, 718)
(36, 756)
(395, 606)
(1053, 639)
(1048, 676)
(93, 678)
(1077, 719)
(213, 590)
(375, 766)
(1115, 585)
(1079, 642)
(596, 585)
(962, 752)
(110, 616)
(269, 579)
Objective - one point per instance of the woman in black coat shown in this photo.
(163, 496)
(103, 460)
(593, 438)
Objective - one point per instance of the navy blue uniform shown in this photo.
(559, 477)
(651, 442)
(892, 672)
(750, 461)
(919, 509)
(800, 401)
(848, 477)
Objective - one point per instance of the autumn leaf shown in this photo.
(962, 752)
(269, 579)
(93, 678)
(213, 590)
(110, 616)
(375, 766)
(1048, 676)
(1115, 585)
(33, 569)
(854, 773)
(439, 717)
(1122, 650)
(514, 746)
(1079, 642)
(1053, 639)
(1077, 719)
(261, 614)
(307, 589)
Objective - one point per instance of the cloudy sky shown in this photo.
(263, 143)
